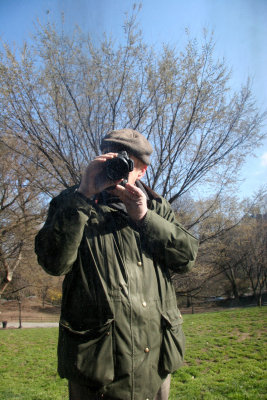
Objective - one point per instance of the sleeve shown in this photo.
(57, 243)
(167, 240)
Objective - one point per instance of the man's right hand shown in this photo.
(94, 179)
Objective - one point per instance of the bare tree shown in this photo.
(20, 215)
(63, 94)
(241, 254)
(232, 255)
(255, 261)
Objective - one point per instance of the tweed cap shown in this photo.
(130, 140)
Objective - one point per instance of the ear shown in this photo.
(142, 172)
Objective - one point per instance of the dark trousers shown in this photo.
(78, 392)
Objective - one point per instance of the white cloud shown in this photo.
(264, 159)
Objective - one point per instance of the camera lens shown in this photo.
(117, 168)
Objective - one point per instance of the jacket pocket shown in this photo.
(173, 341)
(87, 354)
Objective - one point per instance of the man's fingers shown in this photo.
(119, 191)
(128, 191)
(105, 157)
(133, 190)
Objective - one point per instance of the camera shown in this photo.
(119, 167)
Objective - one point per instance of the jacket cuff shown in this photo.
(75, 201)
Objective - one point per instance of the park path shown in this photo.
(14, 324)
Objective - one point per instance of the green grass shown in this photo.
(28, 365)
(225, 359)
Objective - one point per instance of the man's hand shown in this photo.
(134, 199)
(94, 179)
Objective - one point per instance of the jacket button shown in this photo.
(147, 350)
(144, 304)
(139, 264)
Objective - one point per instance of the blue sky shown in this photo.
(240, 32)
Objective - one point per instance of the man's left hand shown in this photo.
(134, 199)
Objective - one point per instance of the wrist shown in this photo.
(141, 220)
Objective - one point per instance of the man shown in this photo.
(120, 333)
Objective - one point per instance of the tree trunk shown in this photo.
(20, 319)
(235, 291)
(259, 300)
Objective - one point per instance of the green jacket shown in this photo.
(120, 329)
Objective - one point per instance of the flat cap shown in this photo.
(130, 140)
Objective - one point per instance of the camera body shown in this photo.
(119, 167)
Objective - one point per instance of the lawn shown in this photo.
(225, 359)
